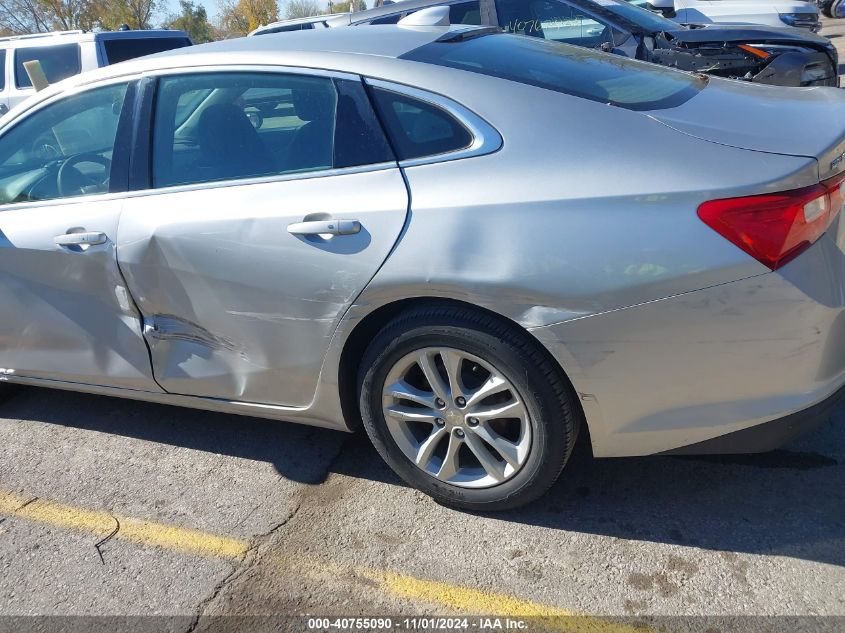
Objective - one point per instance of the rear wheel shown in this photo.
(466, 408)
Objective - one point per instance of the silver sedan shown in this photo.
(479, 244)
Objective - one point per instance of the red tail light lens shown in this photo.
(775, 228)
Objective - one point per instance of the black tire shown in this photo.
(546, 394)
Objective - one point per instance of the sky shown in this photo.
(211, 7)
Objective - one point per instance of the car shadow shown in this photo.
(790, 502)
(298, 453)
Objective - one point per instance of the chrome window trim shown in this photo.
(55, 202)
(485, 138)
(260, 180)
(208, 68)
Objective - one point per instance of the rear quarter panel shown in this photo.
(586, 210)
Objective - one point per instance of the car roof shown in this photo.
(329, 49)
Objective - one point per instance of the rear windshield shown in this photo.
(572, 70)
(121, 49)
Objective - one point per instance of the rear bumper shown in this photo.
(739, 367)
(767, 436)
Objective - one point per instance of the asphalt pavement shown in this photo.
(111, 507)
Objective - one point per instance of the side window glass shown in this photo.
(389, 19)
(226, 126)
(62, 150)
(461, 13)
(2, 69)
(553, 20)
(57, 62)
(417, 128)
(465, 13)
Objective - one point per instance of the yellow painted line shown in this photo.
(479, 602)
(134, 530)
(454, 597)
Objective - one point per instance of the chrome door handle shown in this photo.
(81, 239)
(325, 227)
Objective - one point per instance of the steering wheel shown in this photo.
(72, 182)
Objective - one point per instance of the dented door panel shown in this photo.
(65, 313)
(234, 305)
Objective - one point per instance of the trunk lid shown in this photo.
(792, 121)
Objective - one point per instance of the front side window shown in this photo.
(63, 150)
(2, 69)
(557, 21)
(224, 126)
(57, 62)
(417, 128)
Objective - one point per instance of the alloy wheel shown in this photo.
(456, 417)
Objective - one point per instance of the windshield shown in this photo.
(567, 69)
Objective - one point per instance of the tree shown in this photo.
(193, 20)
(137, 14)
(301, 9)
(239, 17)
(343, 7)
(40, 16)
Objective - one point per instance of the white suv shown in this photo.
(795, 13)
(66, 53)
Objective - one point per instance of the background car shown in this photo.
(780, 56)
(460, 272)
(804, 15)
(296, 24)
(67, 53)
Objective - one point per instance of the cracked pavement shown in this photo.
(760, 535)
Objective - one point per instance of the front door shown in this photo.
(274, 200)
(65, 313)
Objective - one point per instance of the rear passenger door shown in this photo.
(272, 200)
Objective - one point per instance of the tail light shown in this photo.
(777, 227)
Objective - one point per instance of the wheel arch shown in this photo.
(367, 328)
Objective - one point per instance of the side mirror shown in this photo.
(662, 4)
(3, 109)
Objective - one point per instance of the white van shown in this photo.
(796, 13)
(66, 53)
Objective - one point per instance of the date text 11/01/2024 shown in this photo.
(416, 624)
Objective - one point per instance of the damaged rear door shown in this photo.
(273, 199)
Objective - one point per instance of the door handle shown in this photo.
(325, 227)
(81, 239)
